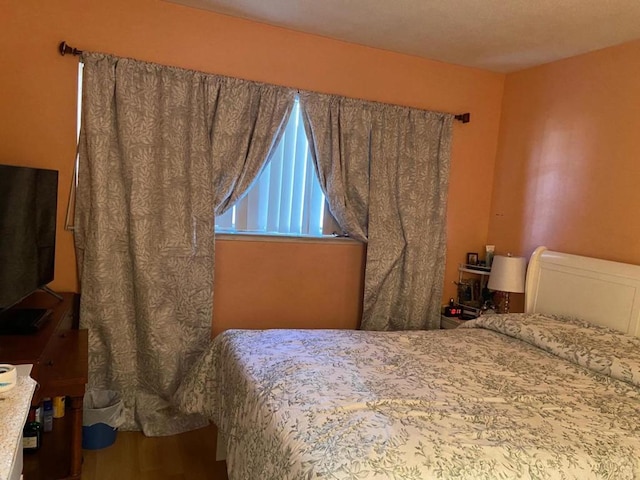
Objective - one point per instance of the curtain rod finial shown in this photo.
(463, 117)
(63, 48)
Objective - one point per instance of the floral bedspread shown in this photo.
(505, 397)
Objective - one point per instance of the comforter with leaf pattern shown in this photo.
(506, 397)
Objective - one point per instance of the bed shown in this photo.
(550, 394)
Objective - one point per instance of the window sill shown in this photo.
(254, 237)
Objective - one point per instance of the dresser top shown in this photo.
(14, 408)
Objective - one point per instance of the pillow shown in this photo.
(600, 349)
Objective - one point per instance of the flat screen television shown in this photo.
(28, 205)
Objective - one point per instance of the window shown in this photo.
(286, 198)
(68, 220)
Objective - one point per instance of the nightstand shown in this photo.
(450, 322)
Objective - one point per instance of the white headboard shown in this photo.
(599, 291)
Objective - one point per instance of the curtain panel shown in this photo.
(385, 172)
(161, 149)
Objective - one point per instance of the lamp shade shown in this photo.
(507, 274)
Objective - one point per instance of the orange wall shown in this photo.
(568, 165)
(38, 98)
(319, 288)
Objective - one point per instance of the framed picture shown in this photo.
(472, 259)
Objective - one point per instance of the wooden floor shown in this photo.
(189, 455)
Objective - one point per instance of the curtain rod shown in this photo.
(63, 48)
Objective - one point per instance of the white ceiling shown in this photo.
(497, 35)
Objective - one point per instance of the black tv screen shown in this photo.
(28, 203)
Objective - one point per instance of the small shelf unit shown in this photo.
(475, 294)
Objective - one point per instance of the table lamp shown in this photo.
(507, 275)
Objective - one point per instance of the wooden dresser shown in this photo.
(59, 354)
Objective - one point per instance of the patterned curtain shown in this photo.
(339, 131)
(385, 172)
(161, 149)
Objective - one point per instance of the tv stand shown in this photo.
(58, 353)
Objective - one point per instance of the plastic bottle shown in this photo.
(58, 407)
(47, 407)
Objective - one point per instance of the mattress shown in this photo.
(508, 396)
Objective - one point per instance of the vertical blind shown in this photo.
(286, 198)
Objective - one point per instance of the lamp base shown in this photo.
(505, 303)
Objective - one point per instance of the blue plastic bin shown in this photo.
(98, 436)
(103, 413)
